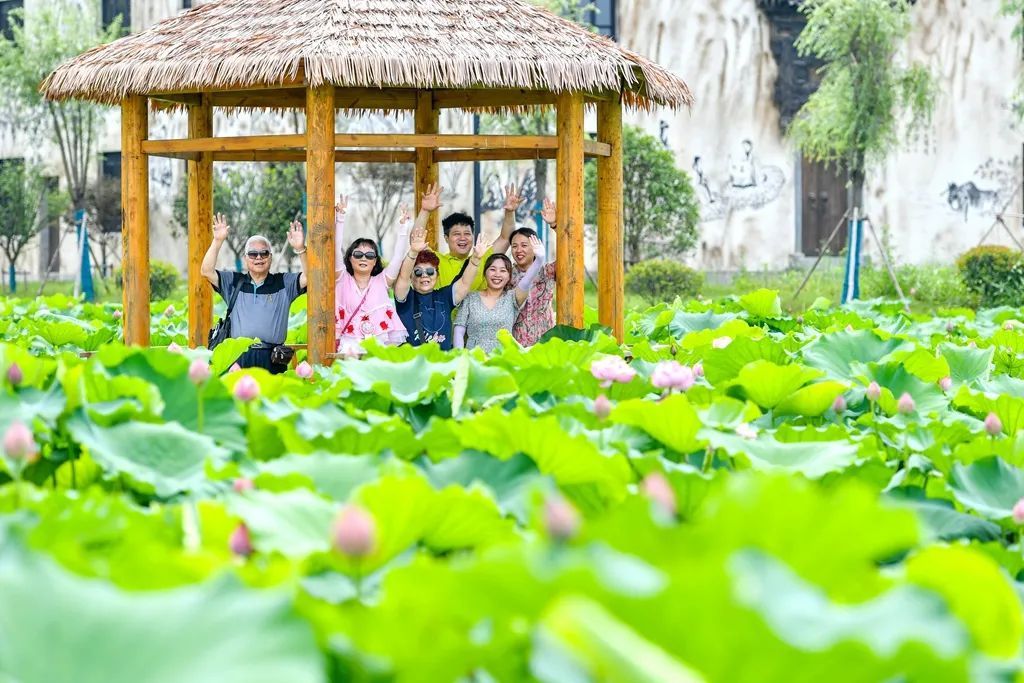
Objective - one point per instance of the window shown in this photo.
(6, 6)
(112, 9)
(107, 195)
(110, 166)
(602, 15)
(186, 4)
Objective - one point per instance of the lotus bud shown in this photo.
(1008, 325)
(235, 367)
(671, 375)
(561, 519)
(849, 327)
(240, 542)
(950, 327)
(18, 442)
(946, 383)
(612, 369)
(839, 405)
(972, 344)
(800, 320)
(656, 487)
(698, 369)
(198, 371)
(117, 314)
(174, 347)
(602, 407)
(304, 370)
(247, 389)
(169, 311)
(1018, 512)
(242, 484)
(905, 404)
(354, 532)
(993, 425)
(873, 392)
(14, 375)
(913, 291)
(746, 431)
(721, 342)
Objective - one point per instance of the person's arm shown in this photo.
(513, 198)
(459, 328)
(339, 234)
(417, 243)
(464, 284)
(550, 217)
(398, 248)
(523, 288)
(220, 234)
(459, 340)
(297, 241)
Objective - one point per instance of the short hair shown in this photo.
(428, 257)
(457, 219)
(508, 266)
(258, 238)
(529, 232)
(377, 267)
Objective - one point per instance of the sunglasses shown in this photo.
(258, 254)
(368, 255)
(420, 272)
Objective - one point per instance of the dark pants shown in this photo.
(260, 358)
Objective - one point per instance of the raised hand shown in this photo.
(481, 246)
(341, 206)
(220, 228)
(418, 239)
(295, 236)
(431, 199)
(537, 246)
(405, 216)
(548, 213)
(513, 198)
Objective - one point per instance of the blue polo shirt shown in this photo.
(434, 311)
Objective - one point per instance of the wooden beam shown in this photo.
(484, 99)
(269, 143)
(241, 143)
(188, 99)
(593, 148)
(320, 222)
(570, 274)
(610, 269)
(426, 122)
(200, 220)
(380, 156)
(135, 220)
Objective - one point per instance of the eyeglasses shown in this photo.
(258, 254)
(368, 255)
(420, 272)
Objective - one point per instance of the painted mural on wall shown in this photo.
(986, 192)
(742, 183)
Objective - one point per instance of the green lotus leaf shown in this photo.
(332, 475)
(672, 421)
(722, 365)
(762, 303)
(990, 487)
(839, 353)
(940, 520)
(813, 459)
(966, 365)
(768, 384)
(895, 380)
(812, 400)
(922, 363)
(294, 523)
(509, 481)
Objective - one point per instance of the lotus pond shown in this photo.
(827, 497)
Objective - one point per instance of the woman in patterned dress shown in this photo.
(536, 316)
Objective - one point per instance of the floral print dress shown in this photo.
(536, 315)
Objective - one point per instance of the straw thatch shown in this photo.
(234, 44)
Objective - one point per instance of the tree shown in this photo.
(660, 210)
(381, 190)
(56, 31)
(1015, 8)
(852, 119)
(27, 203)
(103, 204)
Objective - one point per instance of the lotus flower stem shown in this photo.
(709, 456)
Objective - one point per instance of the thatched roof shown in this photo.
(365, 43)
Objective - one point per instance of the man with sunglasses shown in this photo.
(263, 298)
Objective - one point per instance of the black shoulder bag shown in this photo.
(222, 330)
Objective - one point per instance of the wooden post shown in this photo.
(320, 222)
(135, 220)
(610, 269)
(200, 220)
(569, 195)
(426, 170)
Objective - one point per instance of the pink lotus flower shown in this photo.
(656, 487)
(18, 442)
(905, 404)
(698, 369)
(242, 484)
(849, 328)
(354, 531)
(304, 370)
(560, 518)
(671, 375)
(873, 392)
(602, 407)
(117, 314)
(14, 375)
(972, 344)
(720, 342)
(240, 542)
(173, 347)
(993, 425)
(612, 369)
(169, 311)
(746, 431)
(198, 371)
(1009, 325)
(1018, 512)
(839, 405)
(235, 367)
(247, 389)
(946, 383)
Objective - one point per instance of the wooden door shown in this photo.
(823, 198)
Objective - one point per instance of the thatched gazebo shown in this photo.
(323, 56)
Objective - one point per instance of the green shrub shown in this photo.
(935, 286)
(995, 274)
(163, 280)
(663, 280)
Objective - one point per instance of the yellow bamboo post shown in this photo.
(426, 122)
(200, 218)
(610, 272)
(320, 222)
(569, 195)
(135, 220)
